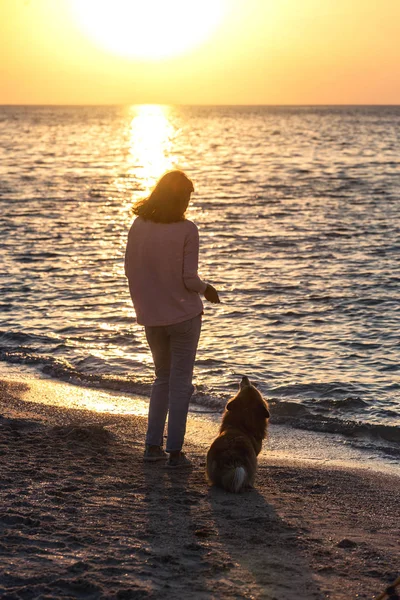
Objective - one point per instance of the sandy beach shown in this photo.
(81, 516)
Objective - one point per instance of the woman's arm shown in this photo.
(191, 262)
(190, 266)
(128, 252)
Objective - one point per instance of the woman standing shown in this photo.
(161, 264)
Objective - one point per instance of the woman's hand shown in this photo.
(211, 294)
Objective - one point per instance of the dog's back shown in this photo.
(232, 457)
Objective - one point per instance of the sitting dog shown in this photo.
(232, 457)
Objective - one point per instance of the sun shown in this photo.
(149, 29)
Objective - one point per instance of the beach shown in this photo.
(83, 517)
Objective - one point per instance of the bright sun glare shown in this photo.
(151, 135)
(149, 29)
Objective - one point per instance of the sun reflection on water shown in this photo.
(151, 143)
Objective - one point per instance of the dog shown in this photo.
(232, 457)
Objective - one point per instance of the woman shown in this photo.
(161, 265)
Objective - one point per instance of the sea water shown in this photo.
(298, 210)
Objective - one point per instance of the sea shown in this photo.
(298, 209)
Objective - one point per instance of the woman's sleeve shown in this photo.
(128, 252)
(191, 260)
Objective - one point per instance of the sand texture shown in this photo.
(81, 516)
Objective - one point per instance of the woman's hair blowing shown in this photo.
(168, 201)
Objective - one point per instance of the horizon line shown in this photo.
(198, 105)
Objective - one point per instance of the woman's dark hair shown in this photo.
(168, 201)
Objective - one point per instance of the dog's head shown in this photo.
(249, 409)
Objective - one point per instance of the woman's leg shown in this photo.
(159, 343)
(184, 338)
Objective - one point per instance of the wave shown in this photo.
(320, 390)
(15, 338)
(63, 370)
(299, 416)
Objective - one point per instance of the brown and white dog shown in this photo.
(232, 457)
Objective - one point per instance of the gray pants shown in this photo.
(174, 351)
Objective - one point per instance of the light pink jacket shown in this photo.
(161, 264)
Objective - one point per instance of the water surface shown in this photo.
(299, 217)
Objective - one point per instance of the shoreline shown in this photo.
(333, 437)
(284, 441)
(83, 516)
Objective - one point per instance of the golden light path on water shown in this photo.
(151, 143)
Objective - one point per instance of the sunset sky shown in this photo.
(200, 51)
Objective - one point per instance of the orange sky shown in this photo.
(262, 52)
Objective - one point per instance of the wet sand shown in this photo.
(81, 516)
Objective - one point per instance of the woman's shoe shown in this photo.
(178, 459)
(154, 453)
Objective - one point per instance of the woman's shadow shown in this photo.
(172, 540)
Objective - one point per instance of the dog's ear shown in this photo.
(232, 404)
(265, 411)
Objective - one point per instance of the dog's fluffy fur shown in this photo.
(232, 457)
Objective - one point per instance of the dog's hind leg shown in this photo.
(211, 471)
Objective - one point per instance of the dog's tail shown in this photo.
(234, 479)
